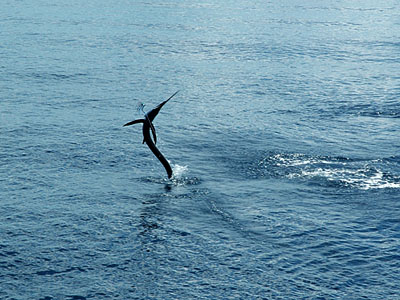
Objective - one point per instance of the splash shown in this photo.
(178, 171)
(180, 178)
(140, 108)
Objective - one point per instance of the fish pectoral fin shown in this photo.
(134, 122)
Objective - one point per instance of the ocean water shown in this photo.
(284, 140)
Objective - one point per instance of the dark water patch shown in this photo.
(8, 253)
(54, 272)
(48, 77)
(334, 108)
(388, 113)
(377, 110)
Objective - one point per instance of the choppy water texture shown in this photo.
(284, 140)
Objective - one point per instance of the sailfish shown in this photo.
(147, 126)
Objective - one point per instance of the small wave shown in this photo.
(390, 108)
(337, 171)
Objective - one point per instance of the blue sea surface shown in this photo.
(284, 140)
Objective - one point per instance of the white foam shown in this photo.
(178, 171)
(377, 182)
(348, 173)
(359, 178)
(298, 160)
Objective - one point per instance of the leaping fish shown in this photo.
(147, 126)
